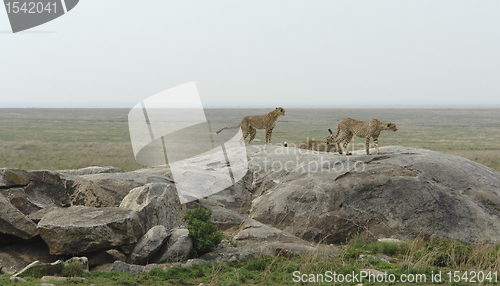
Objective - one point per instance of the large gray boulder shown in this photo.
(13, 177)
(119, 184)
(45, 190)
(39, 190)
(156, 204)
(405, 192)
(149, 244)
(89, 194)
(14, 223)
(178, 246)
(78, 229)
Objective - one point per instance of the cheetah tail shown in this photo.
(232, 127)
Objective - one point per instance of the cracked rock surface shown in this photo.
(405, 192)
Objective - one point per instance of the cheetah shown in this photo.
(372, 128)
(326, 145)
(250, 124)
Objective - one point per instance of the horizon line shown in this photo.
(290, 106)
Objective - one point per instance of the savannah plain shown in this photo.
(57, 139)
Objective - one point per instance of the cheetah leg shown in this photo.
(349, 138)
(339, 149)
(245, 135)
(269, 133)
(338, 141)
(253, 131)
(375, 140)
(367, 145)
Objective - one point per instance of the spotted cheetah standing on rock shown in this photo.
(349, 127)
(250, 124)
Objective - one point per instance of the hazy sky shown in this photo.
(258, 54)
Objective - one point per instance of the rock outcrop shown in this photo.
(156, 204)
(77, 230)
(405, 192)
(288, 201)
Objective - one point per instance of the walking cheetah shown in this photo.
(349, 127)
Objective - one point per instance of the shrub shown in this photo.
(205, 234)
(72, 269)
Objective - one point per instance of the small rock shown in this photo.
(6, 270)
(192, 262)
(383, 257)
(388, 240)
(17, 279)
(164, 266)
(128, 268)
(53, 278)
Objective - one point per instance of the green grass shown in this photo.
(410, 257)
(56, 139)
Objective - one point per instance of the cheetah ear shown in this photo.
(330, 131)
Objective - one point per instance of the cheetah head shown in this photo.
(330, 140)
(391, 127)
(280, 110)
